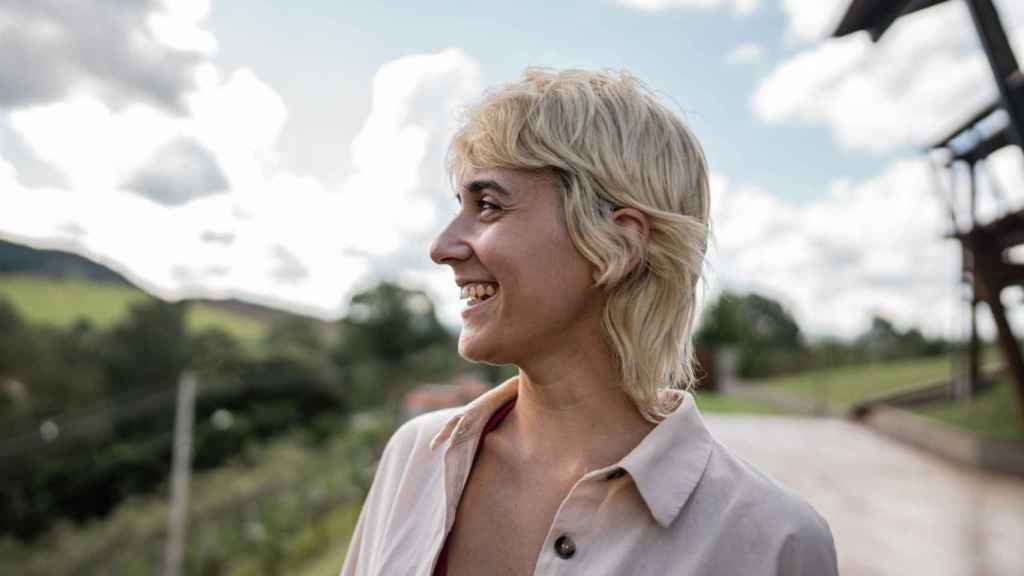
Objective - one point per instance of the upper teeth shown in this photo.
(478, 291)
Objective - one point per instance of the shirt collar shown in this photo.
(666, 466)
(469, 422)
(669, 462)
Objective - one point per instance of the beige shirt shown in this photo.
(678, 503)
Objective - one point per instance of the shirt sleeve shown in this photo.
(808, 551)
(359, 558)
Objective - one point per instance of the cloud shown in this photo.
(926, 75)
(121, 52)
(746, 53)
(146, 188)
(288, 267)
(740, 7)
(178, 172)
(870, 247)
(812, 20)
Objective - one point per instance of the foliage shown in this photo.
(108, 394)
(273, 507)
(390, 338)
(769, 341)
(765, 335)
(109, 398)
(883, 340)
(154, 331)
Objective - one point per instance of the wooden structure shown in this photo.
(987, 268)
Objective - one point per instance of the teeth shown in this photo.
(478, 291)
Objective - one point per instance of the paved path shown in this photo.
(893, 509)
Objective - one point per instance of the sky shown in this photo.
(291, 154)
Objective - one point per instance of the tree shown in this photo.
(391, 334)
(765, 334)
(389, 322)
(149, 349)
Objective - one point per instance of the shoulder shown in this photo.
(760, 512)
(408, 462)
(414, 435)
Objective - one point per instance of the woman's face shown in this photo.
(509, 239)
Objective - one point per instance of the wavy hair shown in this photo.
(612, 145)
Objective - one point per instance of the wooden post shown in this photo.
(986, 264)
(174, 554)
(974, 348)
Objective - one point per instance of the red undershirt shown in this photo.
(441, 568)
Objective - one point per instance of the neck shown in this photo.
(572, 414)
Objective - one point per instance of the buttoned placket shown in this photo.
(565, 549)
(573, 521)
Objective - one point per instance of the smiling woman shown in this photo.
(578, 245)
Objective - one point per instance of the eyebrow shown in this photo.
(478, 186)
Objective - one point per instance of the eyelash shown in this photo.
(485, 205)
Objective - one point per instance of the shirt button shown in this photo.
(565, 547)
(615, 474)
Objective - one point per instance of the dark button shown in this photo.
(565, 547)
(615, 474)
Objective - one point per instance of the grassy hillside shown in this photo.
(992, 414)
(841, 388)
(61, 302)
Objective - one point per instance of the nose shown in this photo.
(450, 246)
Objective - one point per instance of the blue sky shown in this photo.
(291, 153)
(682, 53)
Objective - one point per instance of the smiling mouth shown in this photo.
(478, 293)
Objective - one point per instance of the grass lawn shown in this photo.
(841, 388)
(61, 303)
(993, 414)
(709, 402)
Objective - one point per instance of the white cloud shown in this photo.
(740, 7)
(926, 75)
(746, 53)
(272, 235)
(812, 20)
(871, 247)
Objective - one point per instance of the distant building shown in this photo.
(429, 397)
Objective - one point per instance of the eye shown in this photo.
(487, 206)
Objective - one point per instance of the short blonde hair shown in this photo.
(613, 145)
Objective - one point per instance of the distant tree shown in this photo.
(390, 335)
(389, 322)
(765, 334)
(13, 344)
(149, 349)
(883, 340)
(215, 355)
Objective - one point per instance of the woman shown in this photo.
(578, 244)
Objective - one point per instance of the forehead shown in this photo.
(511, 181)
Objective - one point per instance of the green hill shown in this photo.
(63, 301)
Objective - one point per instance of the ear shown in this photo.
(632, 224)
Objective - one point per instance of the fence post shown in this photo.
(174, 554)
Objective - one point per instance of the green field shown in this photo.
(709, 402)
(838, 389)
(61, 303)
(992, 414)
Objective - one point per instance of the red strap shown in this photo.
(441, 568)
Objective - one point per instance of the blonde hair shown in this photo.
(613, 145)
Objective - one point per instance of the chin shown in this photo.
(481, 350)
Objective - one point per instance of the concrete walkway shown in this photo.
(892, 509)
